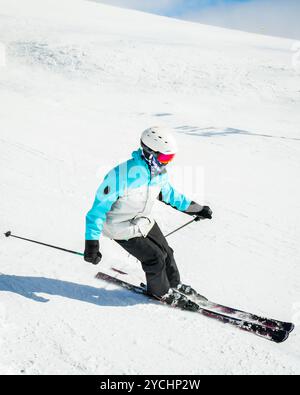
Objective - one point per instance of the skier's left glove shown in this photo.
(91, 252)
(205, 213)
(201, 212)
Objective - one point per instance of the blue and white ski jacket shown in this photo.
(124, 201)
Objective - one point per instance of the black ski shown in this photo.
(272, 334)
(243, 315)
(203, 302)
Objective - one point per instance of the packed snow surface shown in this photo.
(79, 81)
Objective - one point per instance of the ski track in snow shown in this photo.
(74, 97)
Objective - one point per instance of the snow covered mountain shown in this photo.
(79, 83)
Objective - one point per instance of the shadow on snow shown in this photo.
(30, 287)
(215, 132)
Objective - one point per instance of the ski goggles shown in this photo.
(165, 158)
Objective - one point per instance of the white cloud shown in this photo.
(272, 17)
(156, 6)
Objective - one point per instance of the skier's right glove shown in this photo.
(91, 252)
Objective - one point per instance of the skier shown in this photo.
(122, 211)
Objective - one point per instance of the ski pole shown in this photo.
(183, 226)
(9, 234)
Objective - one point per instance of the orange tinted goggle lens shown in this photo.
(165, 158)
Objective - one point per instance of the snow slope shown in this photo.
(81, 81)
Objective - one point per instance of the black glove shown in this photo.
(91, 252)
(206, 212)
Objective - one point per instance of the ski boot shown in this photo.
(177, 299)
(187, 290)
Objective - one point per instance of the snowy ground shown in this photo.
(81, 81)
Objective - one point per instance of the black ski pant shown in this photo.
(157, 260)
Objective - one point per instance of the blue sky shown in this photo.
(272, 17)
(181, 8)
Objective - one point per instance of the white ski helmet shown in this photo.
(159, 139)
